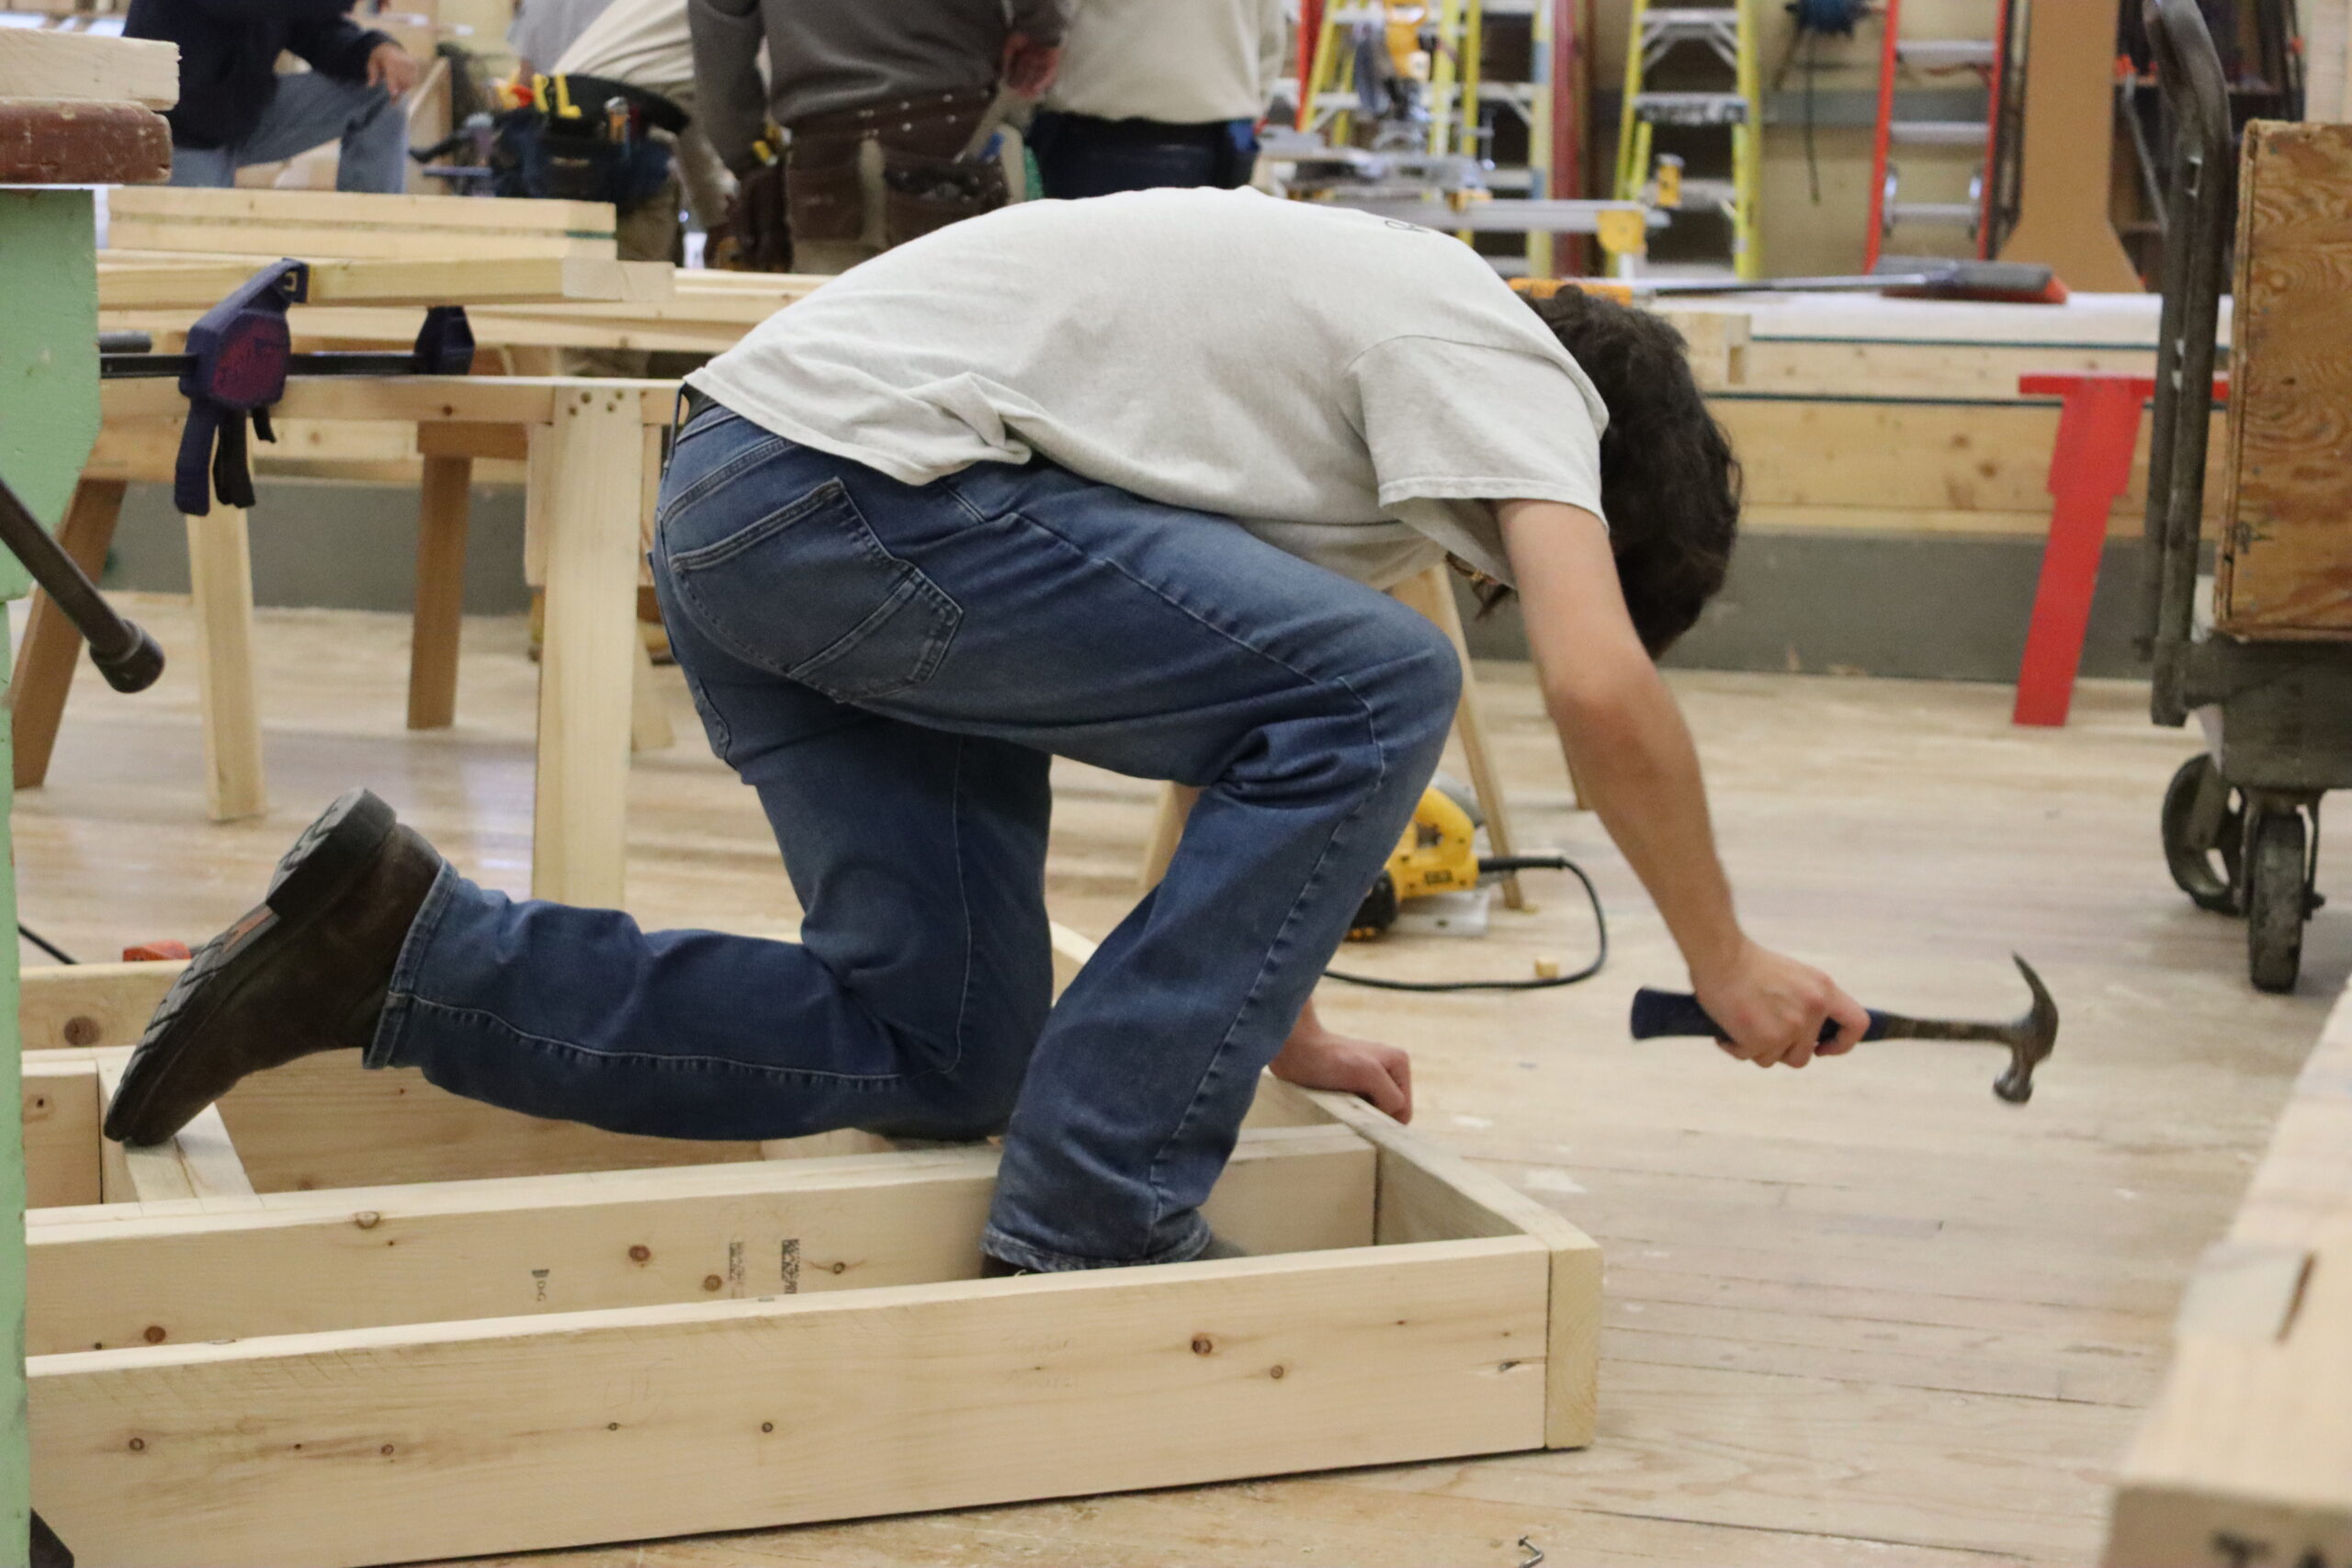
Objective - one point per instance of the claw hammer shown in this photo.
(2030, 1038)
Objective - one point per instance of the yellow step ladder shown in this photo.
(1727, 32)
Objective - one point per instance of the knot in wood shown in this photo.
(154, 1335)
(711, 1281)
(1203, 1344)
(640, 1254)
(82, 1030)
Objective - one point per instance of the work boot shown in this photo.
(995, 1268)
(304, 971)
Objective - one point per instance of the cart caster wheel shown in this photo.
(2203, 817)
(2277, 901)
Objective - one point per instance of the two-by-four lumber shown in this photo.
(306, 223)
(185, 286)
(1427, 1193)
(444, 513)
(200, 1164)
(80, 1006)
(380, 1445)
(581, 544)
(220, 581)
(61, 1118)
(410, 400)
(37, 62)
(2246, 1455)
(445, 1251)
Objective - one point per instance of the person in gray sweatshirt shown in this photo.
(876, 100)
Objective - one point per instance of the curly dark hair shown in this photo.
(1669, 481)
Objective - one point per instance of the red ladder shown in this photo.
(1987, 55)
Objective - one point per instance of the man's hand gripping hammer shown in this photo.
(2030, 1038)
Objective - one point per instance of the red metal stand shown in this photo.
(2089, 467)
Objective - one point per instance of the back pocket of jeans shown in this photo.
(808, 592)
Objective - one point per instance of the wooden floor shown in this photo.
(1861, 1314)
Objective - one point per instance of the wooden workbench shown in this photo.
(589, 447)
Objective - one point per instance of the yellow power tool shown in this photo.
(1439, 853)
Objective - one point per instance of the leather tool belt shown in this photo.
(925, 184)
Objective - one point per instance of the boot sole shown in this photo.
(324, 861)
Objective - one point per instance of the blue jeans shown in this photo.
(891, 669)
(1079, 155)
(307, 110)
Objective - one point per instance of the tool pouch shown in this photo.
(755, 236)
(922, 192)
(824, 199)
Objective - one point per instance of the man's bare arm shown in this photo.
(1633, 753)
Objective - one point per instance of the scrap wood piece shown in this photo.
(40, 62)
(55, 141)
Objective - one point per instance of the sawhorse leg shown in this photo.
(220, 574)
(443, 517)
(2089, 467)
(583, 515)
(52, 646)
(1431, 592)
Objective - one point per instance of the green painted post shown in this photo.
(49, 419)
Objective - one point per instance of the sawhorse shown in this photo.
(2099, 428)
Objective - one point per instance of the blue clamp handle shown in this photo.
(1660, 1014)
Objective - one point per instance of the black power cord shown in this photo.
(1509, 863)
(46, 945)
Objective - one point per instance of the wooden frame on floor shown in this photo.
(520, 1335)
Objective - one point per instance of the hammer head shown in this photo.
(2030, 1039)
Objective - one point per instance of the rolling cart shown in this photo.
(2241, 821)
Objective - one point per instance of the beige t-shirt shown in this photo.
(642, 43)
(1354, 390)
(1183, 62)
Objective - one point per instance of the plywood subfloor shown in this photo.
(1861, 1314)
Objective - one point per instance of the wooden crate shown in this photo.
(2285, 562)
(347, 1319)
(317, 225)
(2246, 1456)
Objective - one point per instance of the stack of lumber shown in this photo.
(2246, 1456)
(1900, 416)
